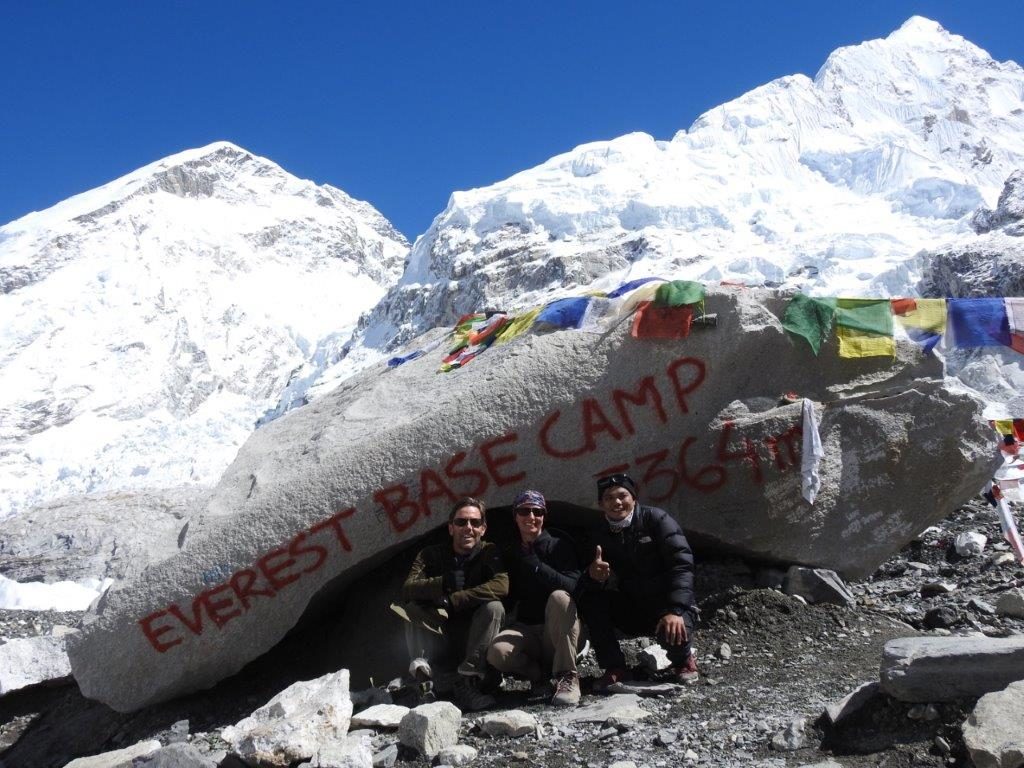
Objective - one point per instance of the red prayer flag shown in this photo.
(652, 322)
(1018, 429)
(903, 306)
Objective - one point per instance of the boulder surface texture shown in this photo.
(322, 494)
(927, 669)
(993, 733)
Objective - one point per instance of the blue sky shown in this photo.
(399, 103)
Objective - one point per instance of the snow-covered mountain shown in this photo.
(832, 185)
(146, 325)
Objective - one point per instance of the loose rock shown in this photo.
(31, 661)
(792, 737)
(513, 722)
(818, 585)
(387, 757)
(654, 658)
(294, 724)
(380, 716)
(347, 753)
(429, 728)
(852, 702)
(970, 544)
(119, 758)
(992, 733)
(1010, 603)
(460, 754)
(175, 756)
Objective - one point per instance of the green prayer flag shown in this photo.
(809, 318)
(871, 315)
(678, 293)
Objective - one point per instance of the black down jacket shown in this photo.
(650, 561)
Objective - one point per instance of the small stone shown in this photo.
(1003, 558)
(666, 737)
(623, 764)
(1011, 603)
(942, 618)
(380, 716)
(520, 757)
(513, 722)
(179, 732)
(607, 733)
(125, 756)
(387, 757)
(724, 651)
(690, 755)
(177, 755)
(654, 658)
(942, 745)
(981, 606)
(936, 588)
(926, 712)
(792, 737)
(852, 702)
(970, 544)
(460, 754)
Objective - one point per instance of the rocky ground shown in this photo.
(767, 660)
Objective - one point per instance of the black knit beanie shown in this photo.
(619, 479)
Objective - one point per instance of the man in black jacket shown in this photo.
(640, 582)
(543, 572)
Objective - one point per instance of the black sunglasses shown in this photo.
(527, 511)
(462, 522)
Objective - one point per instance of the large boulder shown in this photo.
(924, 669)
(326, 492)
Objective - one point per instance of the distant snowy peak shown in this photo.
(830, 184)
(146, 325)
(234, 180)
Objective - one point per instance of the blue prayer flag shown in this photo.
(394, 362)
(631, 285)
(978, 322)
(565, 313)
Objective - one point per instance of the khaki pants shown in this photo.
(461, 639)
(534, 650)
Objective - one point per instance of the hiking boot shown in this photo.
(686, 673)
(468, 696)
(567, 690)
(420, 671)
(611, 677)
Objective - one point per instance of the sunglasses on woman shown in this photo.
(462, 522)
(527, 511)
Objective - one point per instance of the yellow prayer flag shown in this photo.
(1004, 426)
(854, 343)
(930, 315)
(519, 325)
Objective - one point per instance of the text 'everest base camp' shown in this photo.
(747, 356)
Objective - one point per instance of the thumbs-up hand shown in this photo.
(599, 570)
